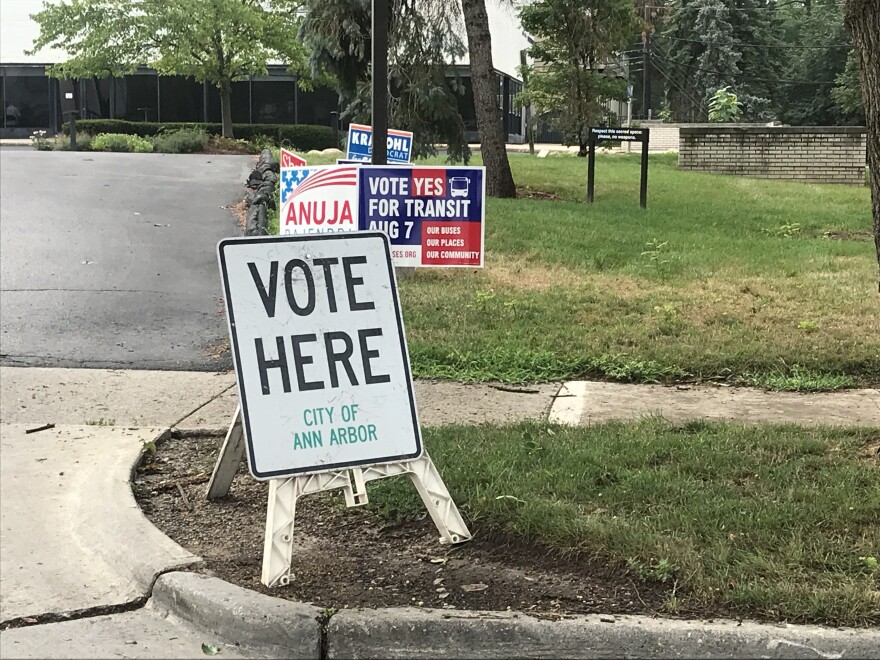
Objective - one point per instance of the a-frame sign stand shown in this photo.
(284, 493)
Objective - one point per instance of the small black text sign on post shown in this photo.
(602, 134)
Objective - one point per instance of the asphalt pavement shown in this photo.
(108, 259)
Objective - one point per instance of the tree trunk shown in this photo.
(862, 18)
(499, 179)
(226, 107)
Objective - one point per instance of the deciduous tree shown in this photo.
(575, 42)
(484, 82)
(214, 41)
(423, 42)
(863, 21)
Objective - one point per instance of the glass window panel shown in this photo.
(273, 102)
(136, 97)
(180, 99)
(315, 106)
(27, 102)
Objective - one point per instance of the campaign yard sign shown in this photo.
(320, 355)
(434, 216)
(318, 199)
(360, 144)
(290, 159)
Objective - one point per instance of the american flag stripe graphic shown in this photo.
(344, 176)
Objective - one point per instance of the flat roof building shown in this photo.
(33, 101)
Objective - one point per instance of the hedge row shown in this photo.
(301, 136)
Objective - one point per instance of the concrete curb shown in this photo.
(240, 616)
(412, 633)
(273, 625)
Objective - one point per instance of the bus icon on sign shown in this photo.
(458, 186)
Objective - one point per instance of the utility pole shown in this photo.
(380, 82)
(646, 69)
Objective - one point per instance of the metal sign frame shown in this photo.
(601, 134)
(236, 350)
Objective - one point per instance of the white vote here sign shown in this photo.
(320, 355)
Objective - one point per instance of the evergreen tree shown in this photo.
(705, 45)
(819, 47)
(423, 40)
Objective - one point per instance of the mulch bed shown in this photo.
(352, 558)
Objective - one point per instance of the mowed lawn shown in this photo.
(763, 521)
(725, 278)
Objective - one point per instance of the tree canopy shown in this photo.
(785, 60)
(575, 47)
(214, 41)
(423, 41)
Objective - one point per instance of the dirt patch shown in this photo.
(352, 558)
(226, 147)
(529, 193)
(848, 235)
(518, 274)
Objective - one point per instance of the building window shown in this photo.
(137, 97)
(241, 98)
(274, 101)
(180, 99)
(26, 102)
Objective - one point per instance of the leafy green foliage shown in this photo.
(121, 142)
(423, 41)
(184, 141)
(848, 92)
(818, 57)
(724, 106)
(300, 136)
(784, 61)
(704, 45)
(214, 41)
(574, 39)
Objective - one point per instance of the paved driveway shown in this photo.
(108, 260)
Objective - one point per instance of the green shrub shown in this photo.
(184, 141)
(300, 136)
(121, 142)
(62, 142)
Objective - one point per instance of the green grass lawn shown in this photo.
(774, 521)
(726, 278)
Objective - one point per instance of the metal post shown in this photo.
(591, 168)
(646, 66)
(73, 114)
(643, 180)
(380, 82)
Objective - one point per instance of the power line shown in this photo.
(742, 9)
(770, 80)
(666, 56)
(741, 44)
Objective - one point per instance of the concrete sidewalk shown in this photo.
(190, 400)
(76, 546)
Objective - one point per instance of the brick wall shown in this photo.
(664, 135)
(819, 154)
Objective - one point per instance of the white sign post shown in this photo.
(324, 380)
